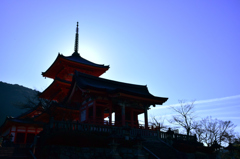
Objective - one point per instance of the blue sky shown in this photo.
(179, 49)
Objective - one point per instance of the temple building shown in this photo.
(79, 94)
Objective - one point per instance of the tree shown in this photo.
(158, 122)
(33, 101)
(185, 116)
(209, 130)
(226, 131)
(199, 131)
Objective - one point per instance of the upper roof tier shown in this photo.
(77, 58)
(64, 66)
(116, 89)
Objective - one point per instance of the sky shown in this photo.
(183, 50)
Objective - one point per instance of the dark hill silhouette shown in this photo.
(11, 95)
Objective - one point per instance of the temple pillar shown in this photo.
(80, 112)
(146, 118)
(137, 120)
(102, 115)
(132, 119)
(25, 138)
(87, 114)
(123, 115)
(94, 112)
(110, 114)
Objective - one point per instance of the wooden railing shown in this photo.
(76, 126)
(143, 132)
(114, 123)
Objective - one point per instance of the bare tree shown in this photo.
(199, 131)
(226, 131)
(158, 122)
(209, 130)
(185, 115)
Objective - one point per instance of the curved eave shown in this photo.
(85, 63)
(44, 117)
(100, 70)
(51, 90)
(31, 112)
(87, 81)
(152, 100)
(54, 68)
(46, 73)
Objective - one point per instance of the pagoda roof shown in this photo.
(77, 58)
(85, 81)
(56, 90)
(76, 62)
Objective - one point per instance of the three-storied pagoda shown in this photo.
(81, 95)
(96, 98)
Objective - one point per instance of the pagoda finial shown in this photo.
(76, 43)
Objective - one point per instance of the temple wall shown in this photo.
(22, 134)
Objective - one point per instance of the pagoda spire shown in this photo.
(76, 43)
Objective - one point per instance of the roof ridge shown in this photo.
(76, 58)
(109, 80)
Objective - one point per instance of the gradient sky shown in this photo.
(180, 49)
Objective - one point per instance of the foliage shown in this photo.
(33, 101)
(29, 102)
(10, 95)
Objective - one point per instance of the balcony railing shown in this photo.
(86, 127)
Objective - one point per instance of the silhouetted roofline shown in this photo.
(86, 81)
(78, 60)
(82, 60)
(38, 106)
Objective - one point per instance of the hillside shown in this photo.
(10, 96)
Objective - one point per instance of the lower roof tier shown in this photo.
(113, 89)
(57, 91)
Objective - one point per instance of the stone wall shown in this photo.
(71, 152)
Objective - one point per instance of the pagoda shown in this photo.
(77, 85)
(79, 94)
(62, 71)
